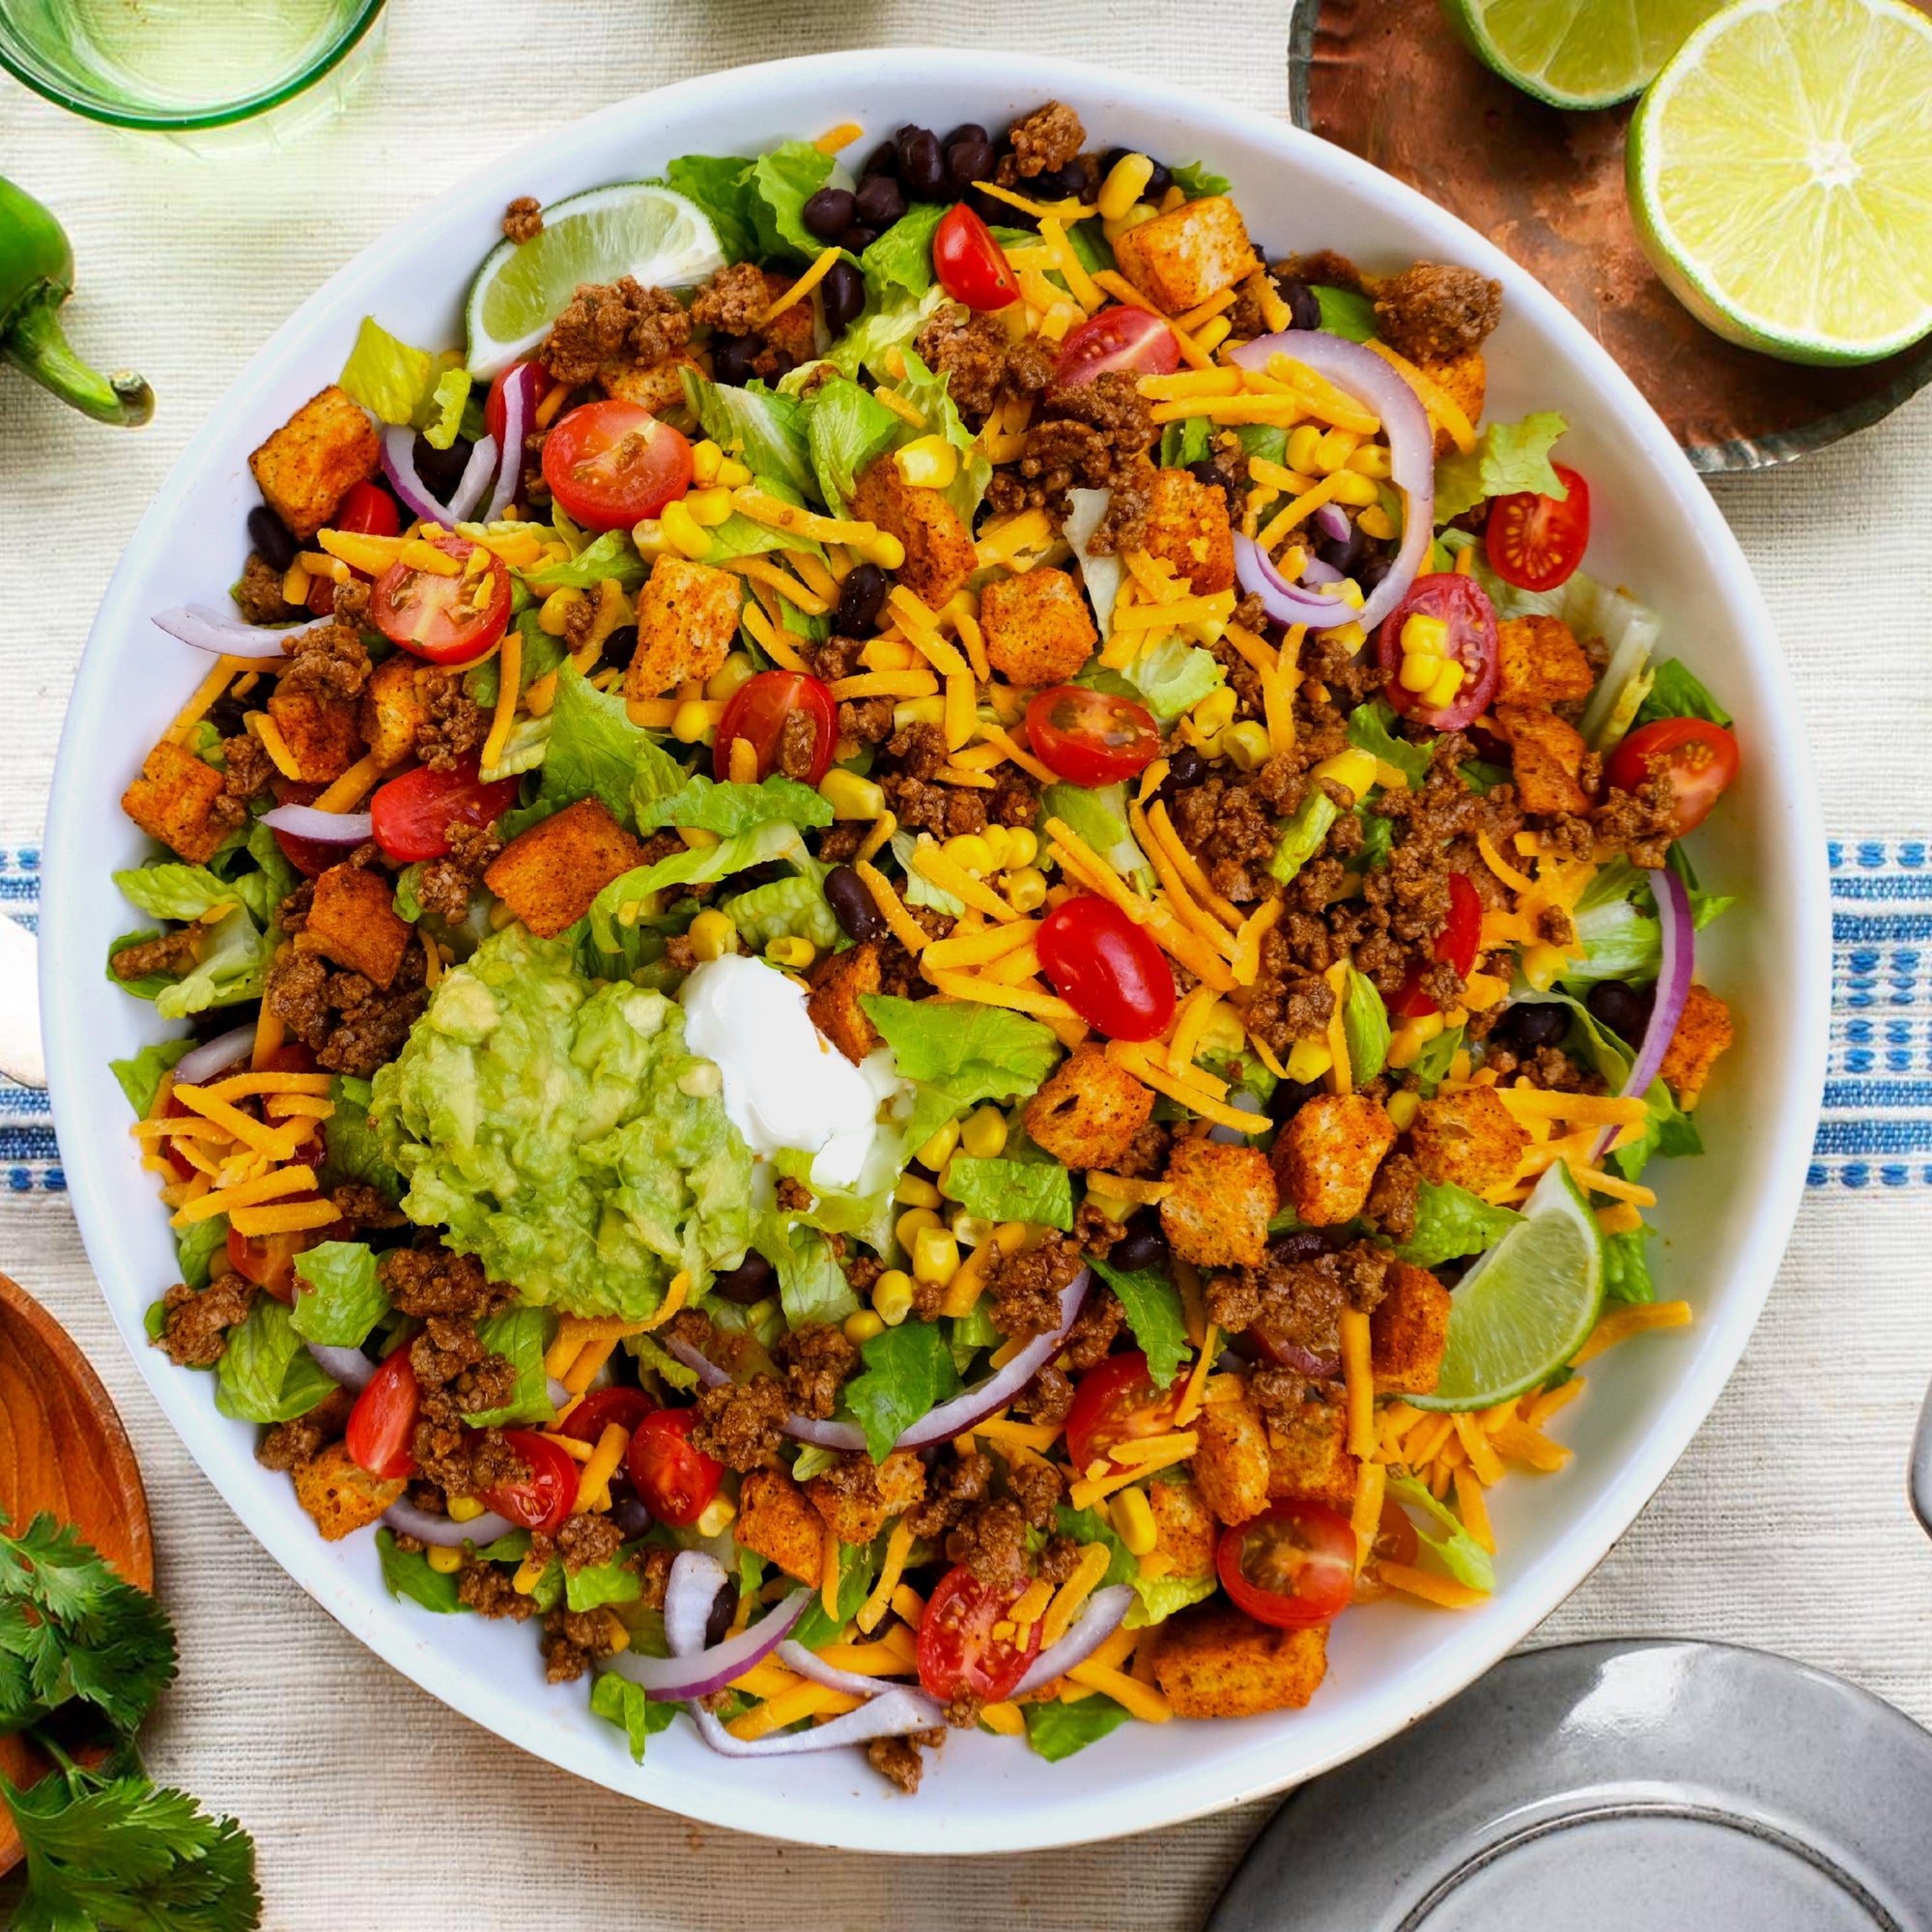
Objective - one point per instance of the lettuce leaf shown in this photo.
(630, 1706)
(1372, 729)
(980, 1053)
(1447, 1545)
(927, 393)
(844, 430)
(764, 428)
(520, 1335)
(1152, 1305)
(704, 803)
(1508, 458)
(446, 408)
(783, 908)
(1450, 1222)
(1057, 1730)
(405, 1573)
(388, 378)
(873, 342)
(1100, 817)
(1677, 693)
(342, 1301)
(1433, 1063)
(812, 1285)
(232, 967)
(1195, 179)
(858, 1566)
(720, 184)
(613, 554)
(909, 1373)
(783, 180)
(900, 261)
(1302, 834)
(592, 753)
(1345, 312)
(356, 1150)
(170, 890)
(274, 879)
(140, 1078)
(199, 1243)
(775, 838)
(1626, 1268)
(1365, 1025)
(1173, 676)
(265, 1374)
(1012, 1190)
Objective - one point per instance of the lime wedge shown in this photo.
(1780, 176)
(1577, 54)
(631, 228)
(1528, 1305)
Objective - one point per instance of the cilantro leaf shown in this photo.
(1508, 458)
(1153, 1304)
(909, 1373)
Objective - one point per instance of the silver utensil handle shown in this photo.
(1921, 1467)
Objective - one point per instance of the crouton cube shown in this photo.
(776, 1520)
(352, 921)
(1542, 663)
(687, 623)
(1409, 1331)
(1218, 1214)
(549, 875)
(1547, 756)
(1308, 1455)
(789, 330)
(394, 709)
(310, 464)
(1180, 260)
(656, 386)
(1467, 1140)
(1465, 378)
(323, 732)
(939, 553)
(1325, 1157)
(1184, 1530)
(858, 1497)
(1089, 1112)
(1232, 1463)
(340, 1494)
(172, 798)
(1214, 1660)
(1188, 527)
(1702, 1033)
(1038, 629)
(839, 982)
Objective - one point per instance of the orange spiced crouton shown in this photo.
(777, 1521)
(1180, 260)
(939, 553)
(1038, 629)
(172, 800)
(308, 465)
(1214, 1660)
(1542, 663)
(858, 1497)
(839, 982)
(352, 921)
(656, 386)
(1702, 1033)
(1409, 1331)
(340, 1494)
(1308, 1454)
(1467, 1140)
(1188, 527)
(549, 875)
(1185, 1531)
(1547, 758)
(1218, 1213)
(687, 622)
(1089, 1112)
(1464, 378)
(1231, 1464)
(322, 731)
(1325, 1157)
(394, 709)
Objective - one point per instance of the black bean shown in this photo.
(1142, 1246)
(879, 202)
(828, 213)
(718, 1622)
(749, 1282)
(1290, 1097)
(1184, 769)
(272, 537)
(1304, 310)
(967, 131)
(997, 214)
(631, 1516)
(921, 163)
(1305, 1244)
(861, 598)
(843, 293)
(1622, 1008)
(1056, 184)
(1532, 1023)
(440, 469)
(619, 648)
(1371, 570)
(1342, 554)
(858, 240)
(884, 159)
(967, 163)
(731, 358)
(852, 904)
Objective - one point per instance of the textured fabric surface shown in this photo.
(1785, 1524)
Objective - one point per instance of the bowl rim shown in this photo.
(1799, 862)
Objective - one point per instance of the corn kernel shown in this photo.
(970, 1231)
(1401, 1109)
(860, 1328)
(696, 839)
(1023, 847)
(554, 614)
(1110, 1204)
(1371, 460)
(945, 1181)
(793, 951)
(1334, 450)
(883, 548)
(705, 456)
(692, 722)
(850, 796)
(1354, 490)
(912, 1192)
(971, 852)
(1307, 1060)
(737, 669)
(935, 1257)
(1448, 681)
(1026, 889)
(911, 711)
(927, 462)
(1214, 713)
(1425, 1026)
(682, 531)
(1544, 965)
(712, 935)
(892, 1296)
(1304, 443)
(1425, 637)
(938, 1151)
(733, 474)
(984, 1133)
(1375, 522)
(1350, 636)
(708, 508)
(1354, 769)
(463, 1509)
(650, 539)
(1418, 674)
(913, 1223)
(445, 1559)
(1133, 1521)
(717, 1517)
(1223, 1032)
(1141, 211)
(1122, 188)
(1245, 745)
(1000, 843)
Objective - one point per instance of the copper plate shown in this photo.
(62, 1449)
(1389, 81)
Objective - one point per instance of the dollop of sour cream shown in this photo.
(785, 1083)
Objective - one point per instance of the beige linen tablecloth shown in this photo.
(1785, 1526)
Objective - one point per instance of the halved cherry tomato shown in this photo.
(1456, 945)
(1089, 737)
(1292, 1566)
(1106, 968)
(971, 266)
(368, 510)
(543, 1499)
(1698, 759)
(412, 814)
(449, 620)
(599, 1409)
(383, 1424)
(676, 1480)
(1536, 542)
(1116, 1402)
(1463, 604)
(958, 1650)
(1129, 340)
(493, 407)
(761, 710)
(1396, 1542)
(610, 463)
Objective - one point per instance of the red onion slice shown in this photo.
(691, 1590)
(1287, 603)
(399, 466)
(518, 408)
(703, 1671)
(1332, 521)
(212, 1056)
(1363, 374)
(1317, 573)
(208, 629)
(1677, 930)
(324, 828)
(352, 1368)
(1098, 1619)
(794, 1656)
(444, 1531)
(890, 1715)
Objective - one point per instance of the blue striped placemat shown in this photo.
(1876, 1130)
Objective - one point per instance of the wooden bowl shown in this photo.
(62, 1449)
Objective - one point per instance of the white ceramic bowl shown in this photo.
(1724, 1218)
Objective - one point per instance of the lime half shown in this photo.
(631, 228)
(1577, 54)
(1528, 1305)
(1780, 176)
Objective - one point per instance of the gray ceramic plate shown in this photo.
(1614, 1787)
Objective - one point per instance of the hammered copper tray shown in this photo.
(1389, 81)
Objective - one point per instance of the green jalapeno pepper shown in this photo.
(36, 277)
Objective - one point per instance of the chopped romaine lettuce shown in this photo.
(763, 427)
(875, 342)
(233, 964)
(845, 431)
(140, 1077)
(899, 262)
(265, 1374)
(1345, 312)
(1365, 1025)
(1152, 1305)
(783, 179)
(704, 803)
(633, 1710)
(1302, 834)
(388, 378)
(446, 408)
(1451, 1222)
(1677, 692)
(908, 1374)
(1196, 180)
(1057, 1730)
(1173, 676)
(720, 184)
(1447, 1545)
(612, 554)
(970, 1052)
(1012, 1190)
(1372, 729)
(927, 393)
(172, 891)
(1508, 458)
(337, 1299)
